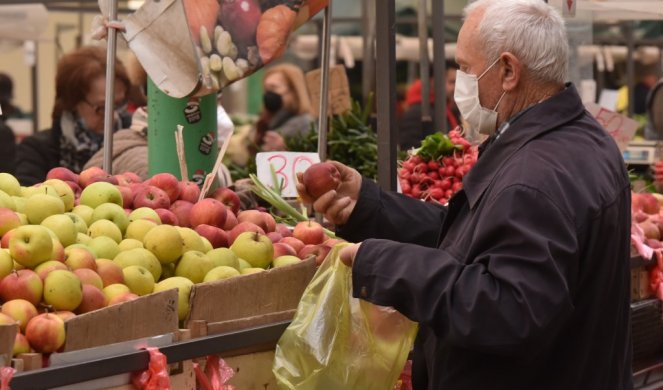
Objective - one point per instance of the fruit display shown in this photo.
(647, 235)
(78, 243)
(434, 172)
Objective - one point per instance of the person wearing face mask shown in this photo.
(287, 107)
(522, 281)
(78, 116)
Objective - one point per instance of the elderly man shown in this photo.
(522, 283)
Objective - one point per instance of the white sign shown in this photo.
(620, 127)
(569, 8)
(286, 165)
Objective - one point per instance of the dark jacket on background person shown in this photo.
(523, 282)
(36, 155)
(7, 148)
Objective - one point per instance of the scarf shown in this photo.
(77, 144)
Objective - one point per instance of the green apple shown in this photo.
(63, 290)
(104, 247)
(183, 286)
(6, 263)
(208, 245)
(82, 238)
(255, 248)
(63, 227)
(113, 213)
(139, 280)
(79, 222)
(249, 271)
(19, 203)
(282, 261)
(142, 257)
(6, 201)
(165, 242)
(223, 256)
(192, 240)
(65, 192)
(145, 213)
(40, 206)
(167, 270)
(113, 290)
(104, 227)
(243, 264)
(139, 228)
(31, 245)
(99, 193)
(9, 184)
(27, 192)
(85, 212)
(194, 265)
(23, 218)
(129, 243)
(220, 273)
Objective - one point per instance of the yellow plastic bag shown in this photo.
(339, 342)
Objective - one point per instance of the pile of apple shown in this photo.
(78, 243)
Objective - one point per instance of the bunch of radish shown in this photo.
(434, 172)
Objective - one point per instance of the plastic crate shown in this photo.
(647, 328)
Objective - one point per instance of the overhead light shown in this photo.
(135, 4)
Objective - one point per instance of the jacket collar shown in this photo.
(538, 120)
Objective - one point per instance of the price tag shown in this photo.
(286, 165)
(620, 127)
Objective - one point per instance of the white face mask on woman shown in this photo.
(480, 119)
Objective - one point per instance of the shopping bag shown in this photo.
(336, 341)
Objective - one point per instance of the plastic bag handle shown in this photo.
(6, 375)
(156, 376)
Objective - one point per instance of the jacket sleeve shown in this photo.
(514, 292)
(8, 145)
(31, 162)
(392, 216)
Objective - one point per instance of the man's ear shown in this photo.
(511, 71)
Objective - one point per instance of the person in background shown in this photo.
(523, 281)
(410, 128)
(645, 80)
(287, 107)
(78, 116)
(9, 110)
(7, 148)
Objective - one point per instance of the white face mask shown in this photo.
(480, 119)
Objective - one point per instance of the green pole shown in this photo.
(198, 116)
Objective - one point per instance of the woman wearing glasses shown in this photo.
(78, 116)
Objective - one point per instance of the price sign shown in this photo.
(286, 165)
(620, 127)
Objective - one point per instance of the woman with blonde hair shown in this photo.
(287, 107)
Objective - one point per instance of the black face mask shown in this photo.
(272, 101)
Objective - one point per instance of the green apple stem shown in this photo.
(46, 307)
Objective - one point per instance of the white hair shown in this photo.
(532, 30)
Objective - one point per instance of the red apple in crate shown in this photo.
(254, 216)
(270, 223)
(110, 272)
(208, 212)
(281, 249)
(8, 220)
(104, 178)
(74, 187)
(127, 196)
(228, 197)
(275, 237)
(189, 191)
(231, 221)
(121, 298)
(182, 210)
(62, 173)
(321, 178)
(283, 230)
(45, 333)
(309, 232)
(135, 187)
(88, 276)
(21, 345)
(20, 311)
(44, 268)
(244, 227)
(216, 236)
(295, 243)
(319, 251)
(131, 177)
(168, 183)
(167, 217)
(65, 315)
(85, 178)
(152, 197)
(22, 284)
(4, 242)
(79, 257)
(93, 299)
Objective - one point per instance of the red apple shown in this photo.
(9, 220)
(189, 191)
(167, 217)
(6, 237)
(21, 345)
(110, 272)
(44, 268)
(152, 197)
(333, 241)
(20, 310)
(79, 257)
(243, 227)
(62, 173)
(281, 249)
(168, 183)
(253, 216)
(65, 315)
(127, 196)
(45, 333)
(275, 237)
(319, 251)
(135, 187)
(216, 236)
(309, 232)
(126, 297)
(131, 177)
(85, 178)
(231, 221)
(270, 223)
(228, 197)
(74, 187)
(649, 203)
(295, 243)
(88, 276)
(321, 178)
(93, 299)
(182, 210)
(22, 284)
(209, 212)
(283, 229)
